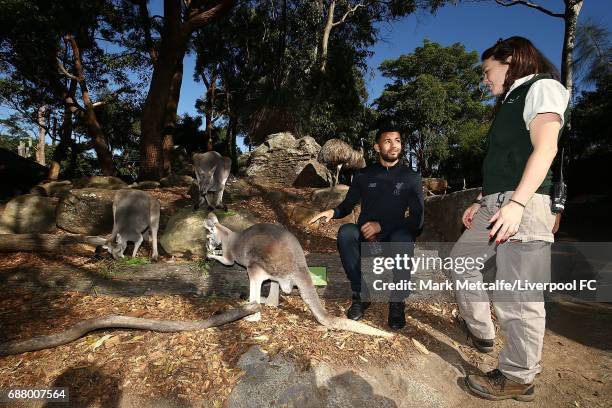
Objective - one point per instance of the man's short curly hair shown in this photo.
(386, 128)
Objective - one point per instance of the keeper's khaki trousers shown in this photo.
(525, 257)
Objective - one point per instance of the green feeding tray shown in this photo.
(318, 275)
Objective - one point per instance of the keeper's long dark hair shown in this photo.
(526, 60)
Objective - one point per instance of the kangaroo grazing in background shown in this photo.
(135, 217)
(269, 251)
(212, 171)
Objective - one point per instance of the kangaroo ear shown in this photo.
(209, 225)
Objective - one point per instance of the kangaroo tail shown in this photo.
(311, 298)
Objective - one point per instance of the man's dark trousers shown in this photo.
(349, 243)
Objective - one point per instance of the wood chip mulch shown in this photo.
(190, 365)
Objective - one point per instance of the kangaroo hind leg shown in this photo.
(273, 295)
(257, 275)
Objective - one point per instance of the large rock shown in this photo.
(239, 222)
(443, 215)
(28, 214)
(308, 144)
(185, 232)
(106, 182)
(145, 185)
(298, 214)
(176, 180)
(314, 174)
(53, 189)
(435, 185)
(330, 197)
(284, 140)
(243, 163)
(239, 189)
(87, 211)
(280, 159)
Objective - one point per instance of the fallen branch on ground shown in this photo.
(126, 322)
(44, 242)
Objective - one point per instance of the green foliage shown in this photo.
(81, 163)
(268, 64)
(434, 99)
(591, 127)
(112, 267)
(35, 52)
(593, 52)
(10, 142)
(202, 265)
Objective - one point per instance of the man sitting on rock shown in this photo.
(386, 190)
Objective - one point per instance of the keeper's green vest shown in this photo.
(509, 145)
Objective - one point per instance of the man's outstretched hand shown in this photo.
(326, 215)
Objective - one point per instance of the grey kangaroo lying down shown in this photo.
(269, 251)
(135, 218)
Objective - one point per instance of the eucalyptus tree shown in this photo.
(433, 96)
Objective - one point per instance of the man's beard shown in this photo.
(388, 158)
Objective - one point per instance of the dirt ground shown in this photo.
(199, 368)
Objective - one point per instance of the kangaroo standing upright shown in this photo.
(269, 251)
(212, 171)
(135, 217)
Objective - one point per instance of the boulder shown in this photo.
(28, 214)
(300, 214)
(185, 232)
(280, 159)
(443, 215)
(435, 185)
(327, 198)
(308, 144)
(145, 185)
(239, 221)
(243, 163)
(239, 189)
(314, 174)
(53, 189)
(176, 180)
(87, 211)
(106, 182)
(283, 140)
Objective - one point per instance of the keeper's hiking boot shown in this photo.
(482, 345)
(495, 386)
(357, 308)
(397, 315)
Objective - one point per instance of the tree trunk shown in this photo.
(172, 51)
(572, 10)
(329, 24)
(89, 118)
(145, 22)
(171, 117)
(40, 147)
(59, 154)
(210, 104)
(231, 141)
